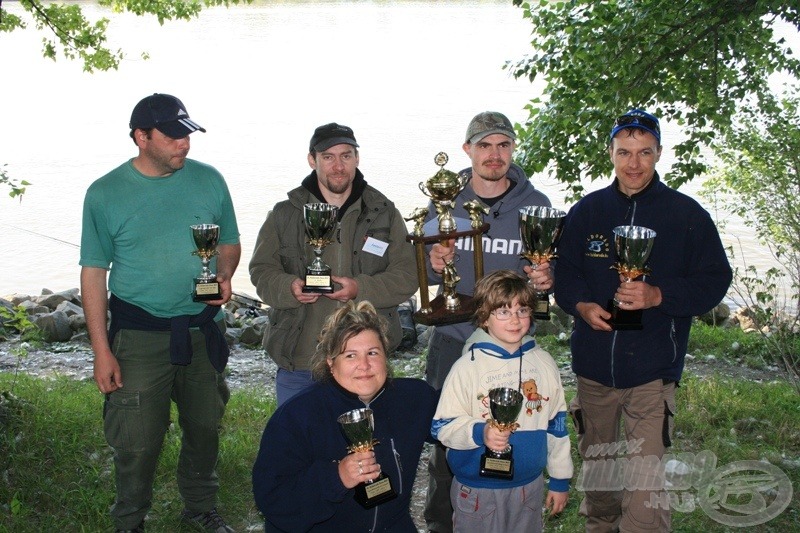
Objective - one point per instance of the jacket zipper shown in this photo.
(399, 466)
(672, 338)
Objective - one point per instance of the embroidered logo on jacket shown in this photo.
(597, 245)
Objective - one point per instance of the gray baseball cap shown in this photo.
(487, 123)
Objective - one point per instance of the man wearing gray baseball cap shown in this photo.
(498, 183)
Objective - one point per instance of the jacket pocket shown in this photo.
(291, 257)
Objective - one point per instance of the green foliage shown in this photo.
(69, 33)
(759, 180)
(689, 61)
(17, 188)
(18, 321)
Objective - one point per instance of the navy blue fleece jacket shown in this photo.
(688, 264)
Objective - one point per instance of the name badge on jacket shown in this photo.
(375, 247)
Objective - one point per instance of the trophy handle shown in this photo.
(422, 188)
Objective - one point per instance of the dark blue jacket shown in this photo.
(688, 264)
(296, 480)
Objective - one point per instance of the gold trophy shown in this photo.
(539, 229)
(505, 405)
(320, 222)
(357, 426)
(448, 307)
(633, 245)
(206, 287)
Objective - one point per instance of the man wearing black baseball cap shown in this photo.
(165, 113)
(369, 257)
(163, 344)
(626, 375)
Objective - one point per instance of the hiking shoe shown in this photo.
(137, 529)
(208, 521)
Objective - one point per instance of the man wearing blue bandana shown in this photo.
(630, 376)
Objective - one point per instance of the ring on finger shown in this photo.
(360, 471)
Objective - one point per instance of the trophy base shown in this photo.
(497, 465)
(368, 495)
(205, 291)
(542, 309)
(439, 314)
(318, 282)
(622, 320)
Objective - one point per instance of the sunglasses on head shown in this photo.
(634, 120)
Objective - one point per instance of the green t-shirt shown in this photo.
(140, 228)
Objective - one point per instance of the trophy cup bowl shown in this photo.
(358, 426)
(206, 237)
(442, 188)
(633, 245)
(539, 230)
(320, 221)
(505, 405)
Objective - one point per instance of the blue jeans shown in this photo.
(289, 383)
(137, 416)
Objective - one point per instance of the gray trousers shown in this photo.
(517, 509)
(137, 416)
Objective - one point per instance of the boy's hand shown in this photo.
(555, 502)
(494, 439)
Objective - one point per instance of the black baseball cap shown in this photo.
(165, 113)
(330, 135)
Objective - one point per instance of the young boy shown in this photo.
(501, 354)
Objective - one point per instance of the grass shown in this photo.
(56, 471)
(735, 421)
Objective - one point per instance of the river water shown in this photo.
(407, 76)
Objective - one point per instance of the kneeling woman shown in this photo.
(304, 479)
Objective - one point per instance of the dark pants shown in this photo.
(137, 416)
(443, 351)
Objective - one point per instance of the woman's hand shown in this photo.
(357, 468)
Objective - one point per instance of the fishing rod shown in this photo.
(241, 298)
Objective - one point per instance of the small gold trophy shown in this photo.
(448, 307)
(505, 404)
(206, 287)
(320, 221)
(539, 229)
(633, 245)
(357, 426)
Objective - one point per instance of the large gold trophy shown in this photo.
(448, 307)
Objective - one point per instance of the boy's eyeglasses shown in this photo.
(506, 314)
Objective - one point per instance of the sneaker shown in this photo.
(137, 529)
(208, 521)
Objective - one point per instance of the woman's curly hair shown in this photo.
(341, 326)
